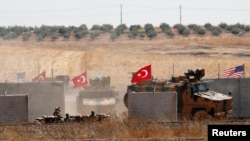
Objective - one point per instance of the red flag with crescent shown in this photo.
(80, 80)
(142, 74)
(39, 77)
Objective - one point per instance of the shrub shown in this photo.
(96, 27)
(113, 36)
(229, 27)
(150, 32)
(62, 30)
(9, 35)
(83, 27)
(193, 26)
(3, 31)
(223, 25)
(80, 34)
(54, 36)
(106, 28)
(197, 29)
(66, 35)
(185, 32)
(216, 31)
(166, 29)
(235, 30)
(94, 34)
(134, 27)
(45, 31)
(120, 29)
(39, 37)
(148, 27)
(134, 31)
(182, 29)
(169, 33)
(26, 35)
(240, 26)
(208, 26)
(164, 26)
(200, 31)
(247, 28)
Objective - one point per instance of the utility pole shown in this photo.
(180, 14)
(121, 11)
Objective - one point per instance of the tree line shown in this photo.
(133, 32)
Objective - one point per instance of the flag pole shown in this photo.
(173, 71)
(218, 70)
(5, 91)
(52, 73)
(243, 70)
(38, 64)
(85, 58)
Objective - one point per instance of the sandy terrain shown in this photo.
(118, 59)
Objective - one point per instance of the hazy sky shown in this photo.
(90, 12)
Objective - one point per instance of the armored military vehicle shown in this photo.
(194, 99)
(99, 96)
(63, 78)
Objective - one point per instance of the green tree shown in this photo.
(150, 31)
(26, 36)
(54, 36)
(113, 36)
(94, 34)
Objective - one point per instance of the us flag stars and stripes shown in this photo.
(236, 72)
(16, 77)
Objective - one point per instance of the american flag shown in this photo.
(235, 72)
(16, 77)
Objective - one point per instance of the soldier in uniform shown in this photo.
(92, 114)
(57, 112)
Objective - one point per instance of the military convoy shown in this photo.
(194, 99)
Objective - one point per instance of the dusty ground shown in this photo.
(118, 59)
(168, 57)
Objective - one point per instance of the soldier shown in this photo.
(57, 112)
(92, 117)
(67, 118)
(92, 114)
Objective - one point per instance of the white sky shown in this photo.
(90, 12)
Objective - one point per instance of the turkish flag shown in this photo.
(142, 74)
(80, 80)
(39, 77)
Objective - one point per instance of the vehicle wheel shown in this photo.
(201, 115)
(125, 100)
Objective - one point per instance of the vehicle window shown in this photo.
(202, 87)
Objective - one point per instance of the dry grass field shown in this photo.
(115, 129)
(117, 59)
